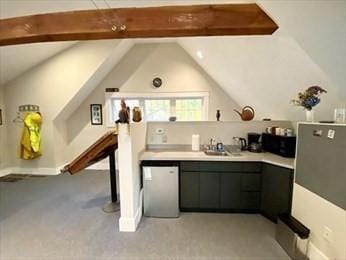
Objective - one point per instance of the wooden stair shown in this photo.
(102, 148)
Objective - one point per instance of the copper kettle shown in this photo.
(247, 113)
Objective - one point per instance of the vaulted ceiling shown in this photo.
(15, 60)
(309, 48)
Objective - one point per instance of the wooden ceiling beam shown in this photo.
(168, 21)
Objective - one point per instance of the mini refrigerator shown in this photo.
(161, 191)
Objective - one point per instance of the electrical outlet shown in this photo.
(164, 139)
(159, 131)
(331, 133)
(327, 234)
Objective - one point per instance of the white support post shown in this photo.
(129, 146)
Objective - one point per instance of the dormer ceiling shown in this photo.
(309, 48)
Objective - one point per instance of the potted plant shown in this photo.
(308, 100)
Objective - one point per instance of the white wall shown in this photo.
(65, 86)
(317, 213)
(3, 146)
(51, 85)
(264, 72)
(16, 59)
(179, 73)
(80, 134)
(319, 27)
(181, 132)
(134, 73)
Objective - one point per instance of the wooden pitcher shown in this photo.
(136, 114)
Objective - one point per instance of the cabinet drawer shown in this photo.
(230, 166)
(190, 166)
(251, 182)
(250, 200)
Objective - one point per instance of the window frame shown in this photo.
(148, 95)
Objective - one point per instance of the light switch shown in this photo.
(331, 133)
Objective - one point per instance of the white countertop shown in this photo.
(161, 155)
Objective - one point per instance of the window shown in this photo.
(160, 106)
(156, 109)
(189, 109)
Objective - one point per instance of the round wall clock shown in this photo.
(157, 82)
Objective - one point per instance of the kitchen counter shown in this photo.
(165, 155)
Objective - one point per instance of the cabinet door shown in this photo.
(251, 182)
(189, 190)
(277, 184)
(250, 200)
(230, 196)
(209, 190)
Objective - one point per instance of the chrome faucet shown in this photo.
(212, 145)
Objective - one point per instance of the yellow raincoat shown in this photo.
(31, 137)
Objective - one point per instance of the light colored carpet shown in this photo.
(60, 217)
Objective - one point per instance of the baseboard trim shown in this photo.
(47, 171)
(5, 171)
(315, 254)
(32, 171)
(131, 224)
(127, 224)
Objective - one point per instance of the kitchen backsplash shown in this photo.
(181, 132)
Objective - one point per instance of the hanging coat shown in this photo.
(30, 145)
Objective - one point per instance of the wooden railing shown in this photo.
(102, 148)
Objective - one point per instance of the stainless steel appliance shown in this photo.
(161, 191)
(239, 144)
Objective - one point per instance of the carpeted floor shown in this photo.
(60, 217)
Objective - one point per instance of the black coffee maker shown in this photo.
(254, 144)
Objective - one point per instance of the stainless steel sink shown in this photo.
(216, 153)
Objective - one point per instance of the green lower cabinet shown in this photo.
(209, 190)
(189, 190)
(238, 187)
(230, 191)
(250, 200)
(251, 182)
(277, 185)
